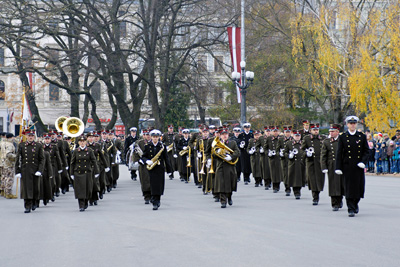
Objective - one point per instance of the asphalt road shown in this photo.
(190, 229)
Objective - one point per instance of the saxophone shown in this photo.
(170, 147)
(155, 160)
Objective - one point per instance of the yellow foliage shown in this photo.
(374, 81)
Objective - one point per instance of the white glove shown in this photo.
(141, 162)
(291, 155)
(251, 151)
(325, 171)
(96, 175)
(38, 173)
(18, 175)
(241, 145)
(72, 177)
(338, 172)
(270, 153)
(51, 177)
(208, 163)
(228, 158)
(199, 155)
(169, 174)
(66, 168)
(309, 154)
(361, 165)
(107, 169)
(281, 154)
(60, 171)
(185, 147)
(118, 152)
(261, 150)
(149, 162)
(175, 156)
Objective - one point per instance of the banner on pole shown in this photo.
(235, 48)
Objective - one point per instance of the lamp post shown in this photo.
(240, 81)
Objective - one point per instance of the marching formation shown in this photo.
(217, 158)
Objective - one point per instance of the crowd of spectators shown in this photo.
(384, 153)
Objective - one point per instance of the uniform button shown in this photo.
(349, 157)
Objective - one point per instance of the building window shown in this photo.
(218, 63)
(1, 124)
(202, 64)
(122, 24)
(53, 58)
(96, 91)
(54, 92)
(26, 56)
(2, 91)
(218, 95)
(1, 56)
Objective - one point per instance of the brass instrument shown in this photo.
(155, 160)
(189, 163)
(73, 127)
(183, 152)
(212, 167)
(202, 150)
(59, 123)
(221, 150)
(170, 147)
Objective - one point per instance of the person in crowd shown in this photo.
(378, 158)
(390, 150)
(371, 157)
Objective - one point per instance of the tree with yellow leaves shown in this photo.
(325, 41)
(374, 80)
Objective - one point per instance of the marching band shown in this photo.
(216, 157)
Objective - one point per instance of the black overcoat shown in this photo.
(157, 174)
(352, 149)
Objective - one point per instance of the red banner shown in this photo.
(234, 47)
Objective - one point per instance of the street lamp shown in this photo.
(240, 81)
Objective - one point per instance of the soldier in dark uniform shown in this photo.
(212, 130)
(352, 156)
(128, 142)
(296, 169)
(109, 154)
(244, 138)
(29, 167)
(225, 173)
(235, 137)
(328, 165)
(158, 162)
(83, 164)
(183, 145)
(118, 149)
(265, 169)
(60, 147)
(271, 147)
(202, 158)
(55, 158)
(306, 129)
(284, 160)
(102, 165)
(65, 180)
(254, 153)
(46, 181)
(143, 172)
(312, 145)
(168, 140)
(211, 166)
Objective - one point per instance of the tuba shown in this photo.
(59, 123)
(73, 127)
(221, 150)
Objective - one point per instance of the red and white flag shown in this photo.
(235, 49)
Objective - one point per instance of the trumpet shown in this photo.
(189, 163)
(221, 150)
(201, 147)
